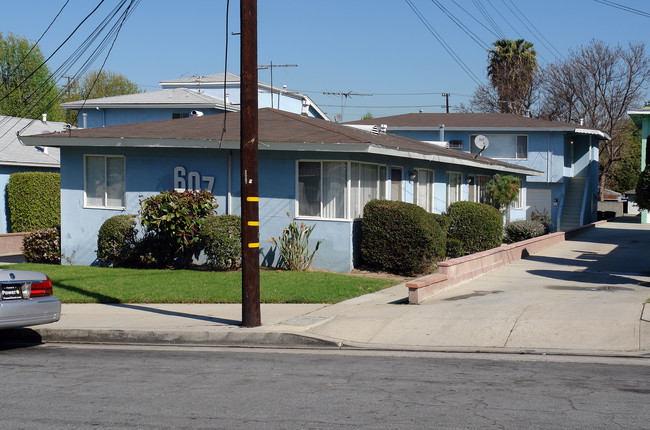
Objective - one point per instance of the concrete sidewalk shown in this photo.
(582, 296)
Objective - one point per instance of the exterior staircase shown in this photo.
(573, 204)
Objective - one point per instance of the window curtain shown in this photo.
(115, 180)
(95, 181)
(309, 188)
(334, 184)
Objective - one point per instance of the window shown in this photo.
(423, 189)
(104, 185)
(454, 181)
(178, 115)
(455, 144)
(323, 187)
(508, 146)
(476, 185)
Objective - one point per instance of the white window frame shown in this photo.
(381, 192)
(430, 185)
(460, 187)
(519, 203)
(476, 188)
(105, 198)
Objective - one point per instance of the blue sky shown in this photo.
(377, 47)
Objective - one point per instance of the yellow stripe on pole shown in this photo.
(253, 223)
(254, 245)
(252, 199)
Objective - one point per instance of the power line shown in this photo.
(462, 26)
(345, 96)
(440, 40)
(623, 7)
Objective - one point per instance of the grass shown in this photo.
(83, 284)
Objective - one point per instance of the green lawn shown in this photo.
(83, 284)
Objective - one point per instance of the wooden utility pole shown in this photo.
(446, 96)
(251, 316)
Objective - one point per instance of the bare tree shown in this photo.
(598, 84)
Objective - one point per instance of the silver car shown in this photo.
(26, 299)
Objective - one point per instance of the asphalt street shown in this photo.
(73, 387)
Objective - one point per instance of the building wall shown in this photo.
(5, 173)
(118, 116)
(150, 171)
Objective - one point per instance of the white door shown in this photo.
(539, 200)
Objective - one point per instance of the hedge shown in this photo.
(477, 226)
(400, 237)
(221, 239)
(34, 200)
(117, 239)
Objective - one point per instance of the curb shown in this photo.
(144, 337)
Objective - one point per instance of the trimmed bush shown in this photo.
(477, 226)
(116, 240)
(519, 230)
(643, 189)
(440, 246)
(221, 239)
(34, 200)
(399, 237)
(43, 246)
(454, 248)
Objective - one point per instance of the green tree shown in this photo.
(26, 90)
(625, 172)
(98, 84)
(643, 190)
(512, 65)
(501, 191)
(368, 115)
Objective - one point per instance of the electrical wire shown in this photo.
(440, 40)
(623, 7)
(225, 76)
(462, 26)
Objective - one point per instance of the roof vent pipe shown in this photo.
(582, 121)
(44, 117)
(383, 128)
(442, 133)
(84, 120)
(196, 113)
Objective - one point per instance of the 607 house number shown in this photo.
(191, 181)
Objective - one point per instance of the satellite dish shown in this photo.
(481, 142)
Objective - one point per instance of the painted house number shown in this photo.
(191, 181)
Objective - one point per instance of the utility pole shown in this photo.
(69, 78)
(345, 96)
(251, 316)
(271, 66)
(446, 96)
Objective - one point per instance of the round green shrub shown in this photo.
(43, 246)
(116, 240)
(454, 248)
(400, 237)
(221, 239)
(477, 226)
(519, 230)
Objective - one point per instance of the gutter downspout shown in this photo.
(561, 205)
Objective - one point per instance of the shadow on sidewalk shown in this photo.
(175, 314)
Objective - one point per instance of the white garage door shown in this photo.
(539, 200)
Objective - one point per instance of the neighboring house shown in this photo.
(268, 96)
(641, 117)
(14, 157)
(567, 154)
(146, 107)
(319, 172)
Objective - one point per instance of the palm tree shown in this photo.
(511, 69)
